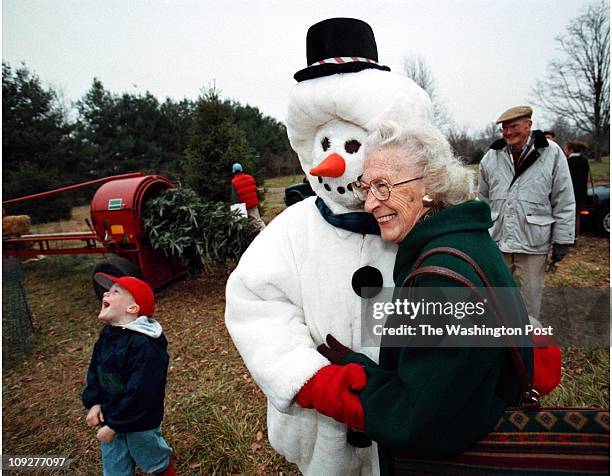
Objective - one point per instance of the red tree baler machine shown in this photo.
(116, 228)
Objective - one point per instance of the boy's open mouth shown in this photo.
(105, 304)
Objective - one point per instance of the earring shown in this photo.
(427, 201)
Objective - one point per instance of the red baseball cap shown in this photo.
(140, 291)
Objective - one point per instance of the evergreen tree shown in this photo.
(173, 134)
(215, 143)
(130, 132)
(268, 137)
(29, 180)
(119, 131)
(32, 127)
(96, 129)
(36, 145)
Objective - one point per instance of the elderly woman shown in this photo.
(432, 402)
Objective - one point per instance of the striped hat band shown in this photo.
(343, 60)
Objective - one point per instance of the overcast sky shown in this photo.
(485, 55)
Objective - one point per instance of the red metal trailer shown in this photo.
(116, 227)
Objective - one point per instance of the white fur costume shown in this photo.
(292, 286)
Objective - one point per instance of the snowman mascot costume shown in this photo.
(302, 277)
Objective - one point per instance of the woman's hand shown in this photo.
(334, 351)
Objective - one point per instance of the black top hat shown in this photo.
(339, 45)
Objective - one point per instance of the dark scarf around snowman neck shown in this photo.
(357, 222)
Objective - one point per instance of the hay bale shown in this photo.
(16, 225)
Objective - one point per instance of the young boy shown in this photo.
(127, 379)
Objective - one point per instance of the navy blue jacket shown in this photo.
(127, 377)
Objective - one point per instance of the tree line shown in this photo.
(193, 142)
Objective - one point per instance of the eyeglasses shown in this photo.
(380, 188)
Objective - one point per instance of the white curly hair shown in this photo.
(445, 177)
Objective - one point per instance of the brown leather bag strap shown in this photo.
(457, 253)
(437, 271)
(529, 396)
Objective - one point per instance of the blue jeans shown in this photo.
(147, 449)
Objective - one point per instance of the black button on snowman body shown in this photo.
(367, 282)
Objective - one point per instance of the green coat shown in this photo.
(437, 402)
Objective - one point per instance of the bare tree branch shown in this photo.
(576, 87)
(416, 69)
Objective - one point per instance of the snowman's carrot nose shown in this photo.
(332, 166)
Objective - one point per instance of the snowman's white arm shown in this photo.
(265, 319)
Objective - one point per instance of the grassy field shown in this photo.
(75, 223)
(283, 181)
(586, 372)
(600, 170)
(273, 204)
(215, 414)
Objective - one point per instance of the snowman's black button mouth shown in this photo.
(320, 179)
(367, 282)
(341, 190)
(327, 187)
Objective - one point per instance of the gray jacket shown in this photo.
(531, 207)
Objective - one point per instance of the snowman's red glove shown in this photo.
(546, 364)
(332, 392)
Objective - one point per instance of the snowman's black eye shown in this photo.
(325, 144)
(352, 146)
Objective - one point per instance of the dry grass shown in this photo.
(586, 265)
(586, 372)
(274, 203)
(284, 181)
(600, 170)
(215, 414)
(76, 222)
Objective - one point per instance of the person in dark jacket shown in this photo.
(244, 190)
(431, 402)
(579, 171)
(126, 380)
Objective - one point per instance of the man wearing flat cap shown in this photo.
(525, 179)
